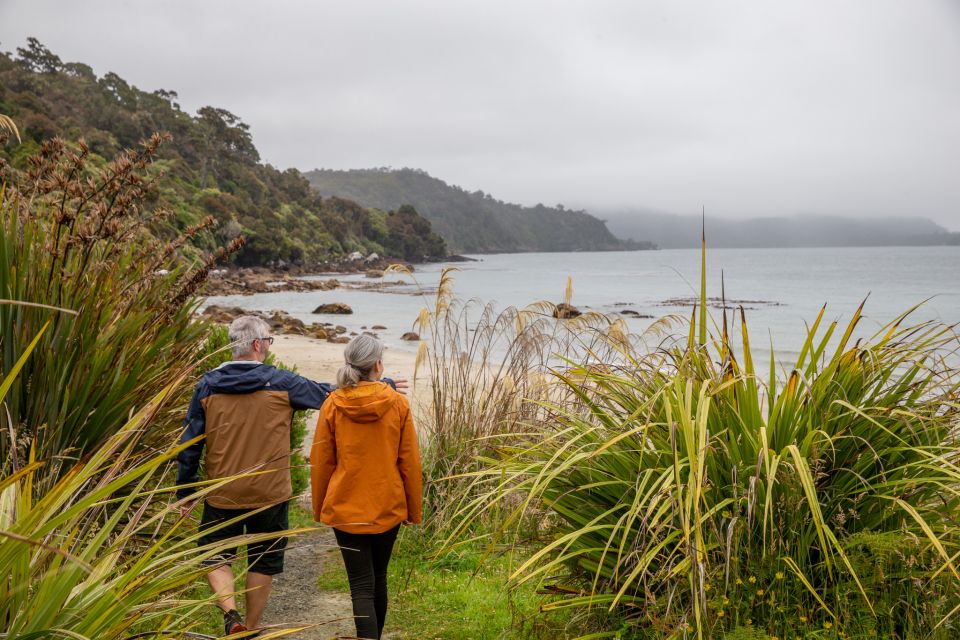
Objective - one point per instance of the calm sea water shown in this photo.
(780, 288)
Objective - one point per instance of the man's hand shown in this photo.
(186, 508)
(402, 385)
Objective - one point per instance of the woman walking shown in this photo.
(366, 476)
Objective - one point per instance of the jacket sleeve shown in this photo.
(408, 462)
(323, 460)
(188, 460)
(304, 393)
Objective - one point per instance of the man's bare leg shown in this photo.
(258, 591)
(221, 581)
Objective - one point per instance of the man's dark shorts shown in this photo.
(263, 557)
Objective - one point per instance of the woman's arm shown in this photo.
(323, 459)
(408, 462)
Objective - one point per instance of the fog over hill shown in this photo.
(671, 231)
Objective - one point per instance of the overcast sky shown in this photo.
(847, 107)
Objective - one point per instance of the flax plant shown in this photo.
(77, 238)
(102, 553)
(690, 498)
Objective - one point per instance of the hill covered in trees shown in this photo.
(210, 167)
(472, 222)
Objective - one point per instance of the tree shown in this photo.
(220, 132)
(38, 58)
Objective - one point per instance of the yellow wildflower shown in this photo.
(803, 619)
(720, 613)
(779, 575)
(827, 624)
(748, 622)
(752, 580)
(707, 587)
(738, 581)
(760, 593)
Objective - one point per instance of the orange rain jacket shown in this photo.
(365, 461)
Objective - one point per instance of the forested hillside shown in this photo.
(210, 167)
(472, 222)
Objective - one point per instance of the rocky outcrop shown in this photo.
(334, 307)
(223, 282)
(280, 323)
(410, 335)
(634, 314)
(564, 311)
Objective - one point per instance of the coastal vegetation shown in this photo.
(681, 492)
(210, 168)
(598, 484)
(473, 222)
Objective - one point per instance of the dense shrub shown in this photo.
(112, 304)
(685, 494)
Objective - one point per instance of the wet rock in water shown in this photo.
(635, 314)
(340, 329)
(410, 335)
(564, 311)
(334, 307)
(317, 331)
(374, 273)
(378, 327)
(338, 339)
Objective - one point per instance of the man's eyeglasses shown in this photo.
(268, 339)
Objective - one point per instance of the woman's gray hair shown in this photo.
(360, 354)
(243, 331)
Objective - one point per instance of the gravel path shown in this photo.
(297, 601)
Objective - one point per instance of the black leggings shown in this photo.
(366, 556)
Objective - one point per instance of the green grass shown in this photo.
(449, 598)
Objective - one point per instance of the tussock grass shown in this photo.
(690, 496)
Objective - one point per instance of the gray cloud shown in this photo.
(749, 108)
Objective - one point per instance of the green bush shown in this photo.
(683, 492)
(100, 550)
(77, 256)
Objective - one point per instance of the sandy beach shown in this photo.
(319, 360)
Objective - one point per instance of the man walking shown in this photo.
(244, 408)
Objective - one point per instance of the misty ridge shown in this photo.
(672, 231)
(478, 222)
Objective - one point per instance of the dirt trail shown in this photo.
(296, 600)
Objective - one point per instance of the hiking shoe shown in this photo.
(233, 622)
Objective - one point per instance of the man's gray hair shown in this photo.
(360, 355)
(243, 331)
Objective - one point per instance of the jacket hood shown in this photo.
(366, 402)
(240, 377)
